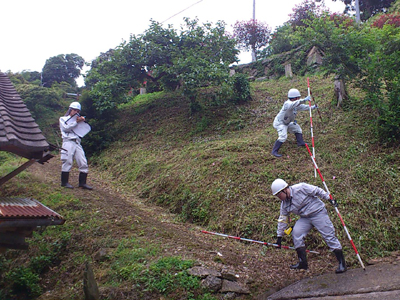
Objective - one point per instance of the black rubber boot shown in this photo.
(300, 141)
(302, 264)
(342, 263)
(82, 181)
(277, 145)
(64, 180)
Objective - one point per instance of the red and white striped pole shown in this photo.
(253, 241)
(311, 124)
(337, 210)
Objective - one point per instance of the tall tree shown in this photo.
(251, 35)
(368, 8)
(62, 68)
(307, 10)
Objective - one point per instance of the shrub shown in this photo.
(24, 283)
(342, 20)
(387, 19)
(241, 88)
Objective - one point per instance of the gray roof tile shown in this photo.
(19, 132)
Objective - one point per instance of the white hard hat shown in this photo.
(293, 93)
(278, 185)
(75, 105)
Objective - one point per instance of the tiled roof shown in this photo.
(25, 208)
(19, 132)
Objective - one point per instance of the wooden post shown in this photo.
(17, 171)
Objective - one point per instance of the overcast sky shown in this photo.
(35, 30)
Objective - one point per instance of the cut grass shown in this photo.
(215, 169)
(136, 261)
(227, 163)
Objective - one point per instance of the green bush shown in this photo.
(40, 263)
(381, 82)
(368, 57)
(24, 283)
(241, 88)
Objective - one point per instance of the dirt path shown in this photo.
(260, 268)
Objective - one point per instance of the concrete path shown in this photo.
(381, 281)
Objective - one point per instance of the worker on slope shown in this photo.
(285, 122)
(71, 147)
(303, 199)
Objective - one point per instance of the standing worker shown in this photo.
(72, 148)
(303, 199)
(285, 122)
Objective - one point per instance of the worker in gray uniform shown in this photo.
(303, 199)
(72, 148)
(285, 122)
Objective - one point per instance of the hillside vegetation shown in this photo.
(214, 168)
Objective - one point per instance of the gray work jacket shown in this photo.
(304, 201)
(289, 110)
(67, 132)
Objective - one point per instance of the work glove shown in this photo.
(314, 106)
(308, 98)
(333, 202)
(279, 242)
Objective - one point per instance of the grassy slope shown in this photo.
(215, 168)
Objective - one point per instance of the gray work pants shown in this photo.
(74, 151)
(284, 129)
(322, 223)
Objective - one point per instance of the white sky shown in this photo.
(35, 30)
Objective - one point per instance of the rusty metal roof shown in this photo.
(25, 208)
(19, 132)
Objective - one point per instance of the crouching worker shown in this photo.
(285, 122)
(72, 149)
(303, 199)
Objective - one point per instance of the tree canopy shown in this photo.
(283, 38)
(24, 77)
(62, 68)
(306, 10)
(251, 35)
(368, 56)
(163, 59)
(368, 8)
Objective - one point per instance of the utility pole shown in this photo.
(358, 19)
(253, 52)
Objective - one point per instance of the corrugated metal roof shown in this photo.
(19, 132)
(25, 207)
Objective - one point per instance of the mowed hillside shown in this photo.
(214, 167)
(171, 174)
